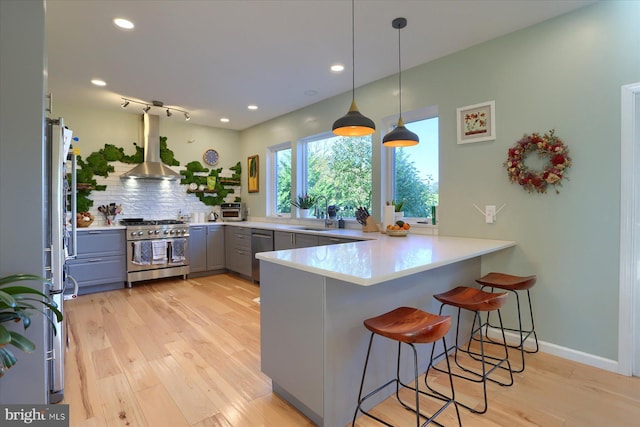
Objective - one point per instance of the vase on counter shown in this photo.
(398, 216)
(306, 213)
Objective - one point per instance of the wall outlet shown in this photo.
(490, 214)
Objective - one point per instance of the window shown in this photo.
(279, 170)
(338, 168)
(415, 169)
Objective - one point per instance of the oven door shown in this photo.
(157, 253)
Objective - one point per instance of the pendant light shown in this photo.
(400, 136)
(353, 123)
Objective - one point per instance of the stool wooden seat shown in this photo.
(409, 326)
(477, 301)
(472, 299)
(511, 283)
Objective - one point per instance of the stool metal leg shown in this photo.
(416, 410)
(524, 333)
(484, 360)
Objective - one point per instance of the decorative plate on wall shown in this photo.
(211, 157)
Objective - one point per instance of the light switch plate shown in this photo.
(490, 214)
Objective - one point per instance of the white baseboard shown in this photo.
(556, 350)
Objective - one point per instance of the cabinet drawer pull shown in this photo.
(95, 260)
(95, 232)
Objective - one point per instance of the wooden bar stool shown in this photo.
(409, 326)
(512, 284)
(477, 301)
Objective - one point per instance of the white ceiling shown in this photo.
(215, 57)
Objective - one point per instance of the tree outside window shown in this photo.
(339, 168)
(282, 161)
(416, 170)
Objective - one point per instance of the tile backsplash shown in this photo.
(148, 199)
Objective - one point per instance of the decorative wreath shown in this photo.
(547, 145)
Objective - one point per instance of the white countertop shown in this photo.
(386, 258)
(100, 227)
(312, 228)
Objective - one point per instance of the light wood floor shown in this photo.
(187, 353)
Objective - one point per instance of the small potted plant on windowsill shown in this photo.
(17, 304)
(305, 203)
(397, 207)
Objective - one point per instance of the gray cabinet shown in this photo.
(206, 248)
(215, 247)
(197, 249)
(329, 240)
(237, 243)
(288, 240)
(101, 264)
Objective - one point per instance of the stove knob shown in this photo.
(139, 233)
(172, 232)
(156, 232)
(133, 233)
(180, 231)
(150, 232)
(166, 231)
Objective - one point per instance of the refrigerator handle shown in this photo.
(74, 207)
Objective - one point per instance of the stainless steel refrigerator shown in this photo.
(61, 239)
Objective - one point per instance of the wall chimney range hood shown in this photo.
(152, 166)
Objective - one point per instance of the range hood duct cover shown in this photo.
(152, 166)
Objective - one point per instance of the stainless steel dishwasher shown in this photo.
(261, 241)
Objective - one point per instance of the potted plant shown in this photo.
(397, 207)
(305, 203)
(18, 304)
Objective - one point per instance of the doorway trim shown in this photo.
(628, 341)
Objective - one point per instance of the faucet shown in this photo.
(327, 222)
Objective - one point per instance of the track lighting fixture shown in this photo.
(353, 123)
(400, 136)
(148, 105)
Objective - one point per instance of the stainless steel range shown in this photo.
(156, 249)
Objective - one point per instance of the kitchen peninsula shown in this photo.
(314, 300)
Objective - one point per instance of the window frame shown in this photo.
(388, 164)
(271, 202)
(301, 169)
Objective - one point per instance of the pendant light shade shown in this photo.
(353, 123)
(400, 136)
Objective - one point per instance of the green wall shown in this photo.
(564, 74)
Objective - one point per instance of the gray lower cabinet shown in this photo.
(197, 249)
(100, 264)
(288, 240)
(206, 248)
(237, 243)
(215, 247)
(328, 240)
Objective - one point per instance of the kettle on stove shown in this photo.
(213, 216)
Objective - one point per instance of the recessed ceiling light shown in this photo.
(252, 107)
(98, 82)
(337, 68)
(224, 120)
(125, 24)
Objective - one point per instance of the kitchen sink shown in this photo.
(313, 228)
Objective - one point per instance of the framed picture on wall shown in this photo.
(253, 167)
(477, 122)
